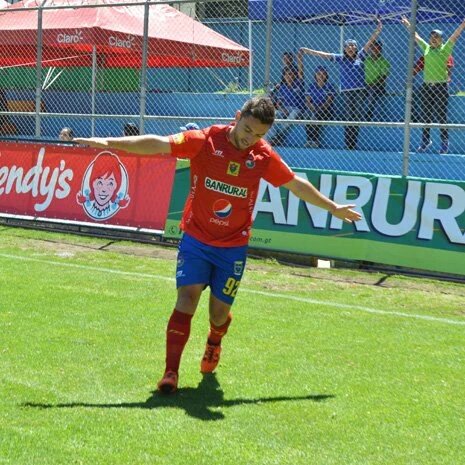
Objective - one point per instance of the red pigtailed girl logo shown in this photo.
(104, 188)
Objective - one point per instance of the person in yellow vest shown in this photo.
(377, 69)
(435, 91)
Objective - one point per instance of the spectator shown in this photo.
(66, 134)
(288, 63)
(190, 127)
(420, 66)
(351, 63)
(130, 129)
(435, 91)
(319, 99)
(290, 104)
(377, 69)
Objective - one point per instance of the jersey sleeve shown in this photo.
(277, 171)
(187, 144)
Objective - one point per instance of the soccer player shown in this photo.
(227, 163)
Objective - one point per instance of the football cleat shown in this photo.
(210, 359)
(169, 383)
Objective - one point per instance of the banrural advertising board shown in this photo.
(409, 222)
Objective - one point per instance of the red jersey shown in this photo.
(224, 184)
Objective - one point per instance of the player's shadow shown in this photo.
(205, 402)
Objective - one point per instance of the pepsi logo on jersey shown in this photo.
(222, 208)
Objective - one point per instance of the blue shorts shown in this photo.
(219, 267)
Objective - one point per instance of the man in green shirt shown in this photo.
(377, 69)
(435, 91)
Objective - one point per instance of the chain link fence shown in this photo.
(374, 87)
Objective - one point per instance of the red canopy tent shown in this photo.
(116, 32)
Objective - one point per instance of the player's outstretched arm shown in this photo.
(141, 145)
(308, 193)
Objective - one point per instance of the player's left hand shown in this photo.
(346, 213)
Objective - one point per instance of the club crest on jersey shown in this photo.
(233, 168)
(179, 138)
(222, 208)
(238, 267)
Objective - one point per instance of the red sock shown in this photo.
(177, 334)
(217, 332)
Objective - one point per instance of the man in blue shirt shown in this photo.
(319, 99)
(352, 75)
(290, 104)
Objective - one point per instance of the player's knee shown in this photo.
(219, 312)
(188, 298)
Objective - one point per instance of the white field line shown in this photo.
(249, 291)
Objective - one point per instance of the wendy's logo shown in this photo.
(104, 188)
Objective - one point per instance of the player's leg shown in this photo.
(177, 334)
(226, 277)
(192, 274)
(220, 319)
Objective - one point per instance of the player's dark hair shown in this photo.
(261, 108)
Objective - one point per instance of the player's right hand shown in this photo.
(95, 142)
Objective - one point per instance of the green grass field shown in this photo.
(319, 367)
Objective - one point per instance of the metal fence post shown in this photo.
(250, 58)
(38, 93)
(409, 89)
(269, 26)
(143, 73)
(94, 90)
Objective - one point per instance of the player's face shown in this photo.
(247, 132)
(104, 187)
